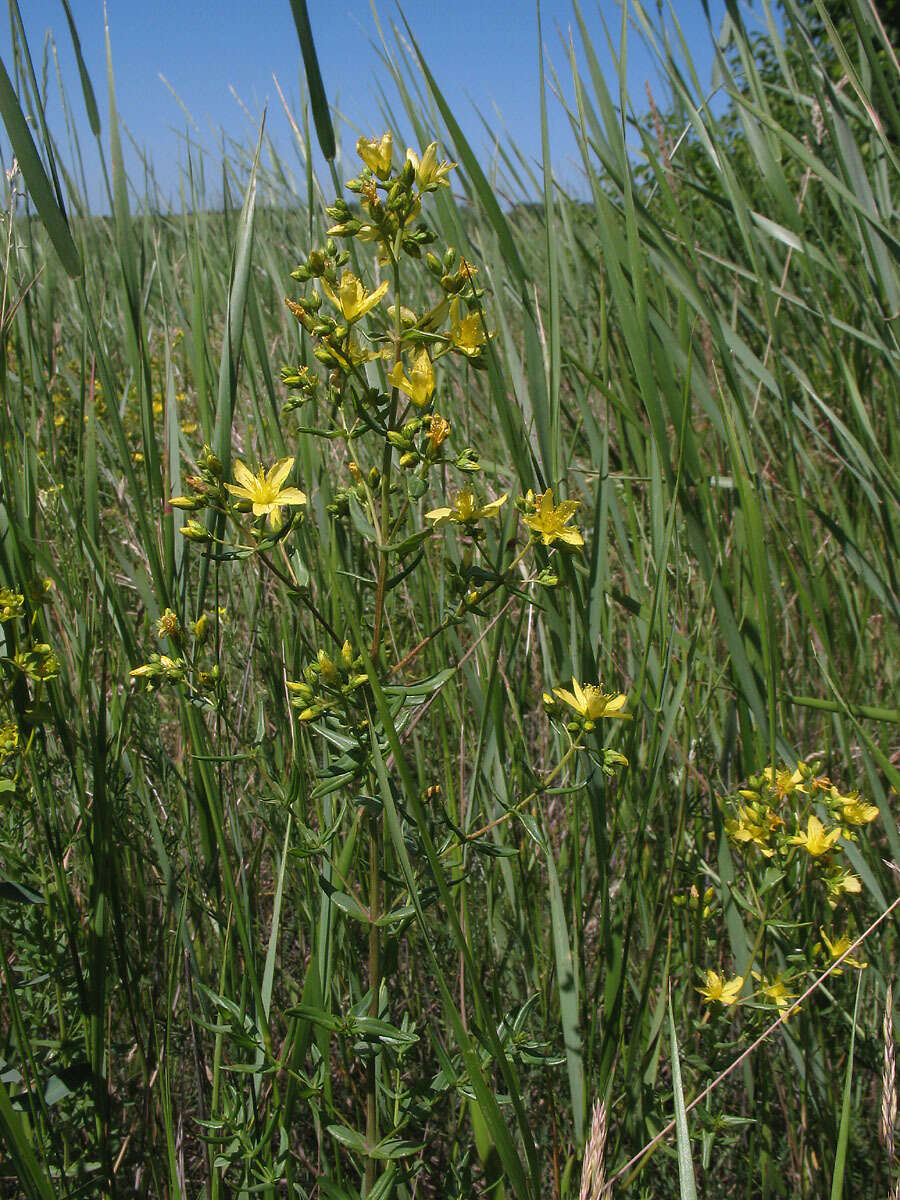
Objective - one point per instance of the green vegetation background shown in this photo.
(703, 346)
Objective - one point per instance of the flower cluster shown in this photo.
(775, 816)
(790, 826)
(327, 683)
(184, 669)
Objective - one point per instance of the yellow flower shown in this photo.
(350, 354)
(776, 991)
(352, 298)
(838, 882)
(264, 489)
(856, 811)
(467, 335)
(377, 155)
(438, 428)
(592, 704)
(551, 521)
(748, 826)
(815, 841)
(720, 990)
(837, 948)
(429, 172)
(420, 384)
(784, 781)
(465, 511)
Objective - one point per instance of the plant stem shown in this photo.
(375, 986)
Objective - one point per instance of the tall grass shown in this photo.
(702, 349)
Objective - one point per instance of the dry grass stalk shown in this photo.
(593, 1170)
(888, 1120)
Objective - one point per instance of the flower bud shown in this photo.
(200, 628)
(195, 532)
(209, 462)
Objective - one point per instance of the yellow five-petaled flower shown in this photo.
(591, 703)
(467, 334)
(552, 521)
(838, 947)
(430, 173)
(264, 489)
(721, 990)
(352, 298)
(419, 385)
(775, 991)
(816, 841)
(465, 510)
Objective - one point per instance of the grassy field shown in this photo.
(365, 833)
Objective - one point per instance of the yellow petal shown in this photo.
(568, 697)
(279, 473)
(242, 475)
(292, 495)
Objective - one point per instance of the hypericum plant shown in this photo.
(790, 827)
(382, 392)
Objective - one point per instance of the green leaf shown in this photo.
(569, 1006)
(19, 893)
(28, 1173)
(36, 180)
(840, 1158)
(361, 522)
(687, 1183)
(317, 97)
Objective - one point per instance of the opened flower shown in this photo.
(591, 703)
(429, 172)
(377, 155)
(785, 782)
(752, 827)
(552, 521)
(465, 510)
(776, 991)
(815, 841)
(352, 298)
(419, 386)
(839, 947)
(264, 489)
(856, 811)
(718, 990)
(467, 335)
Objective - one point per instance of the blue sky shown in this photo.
(484, 54)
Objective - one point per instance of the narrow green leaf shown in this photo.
(39, 186)
(318, 99)
(569, 1005)
(686, 1181)
(90, 100)
(840, 1158)
(28, 1173)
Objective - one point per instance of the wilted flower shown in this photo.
(377, 155)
